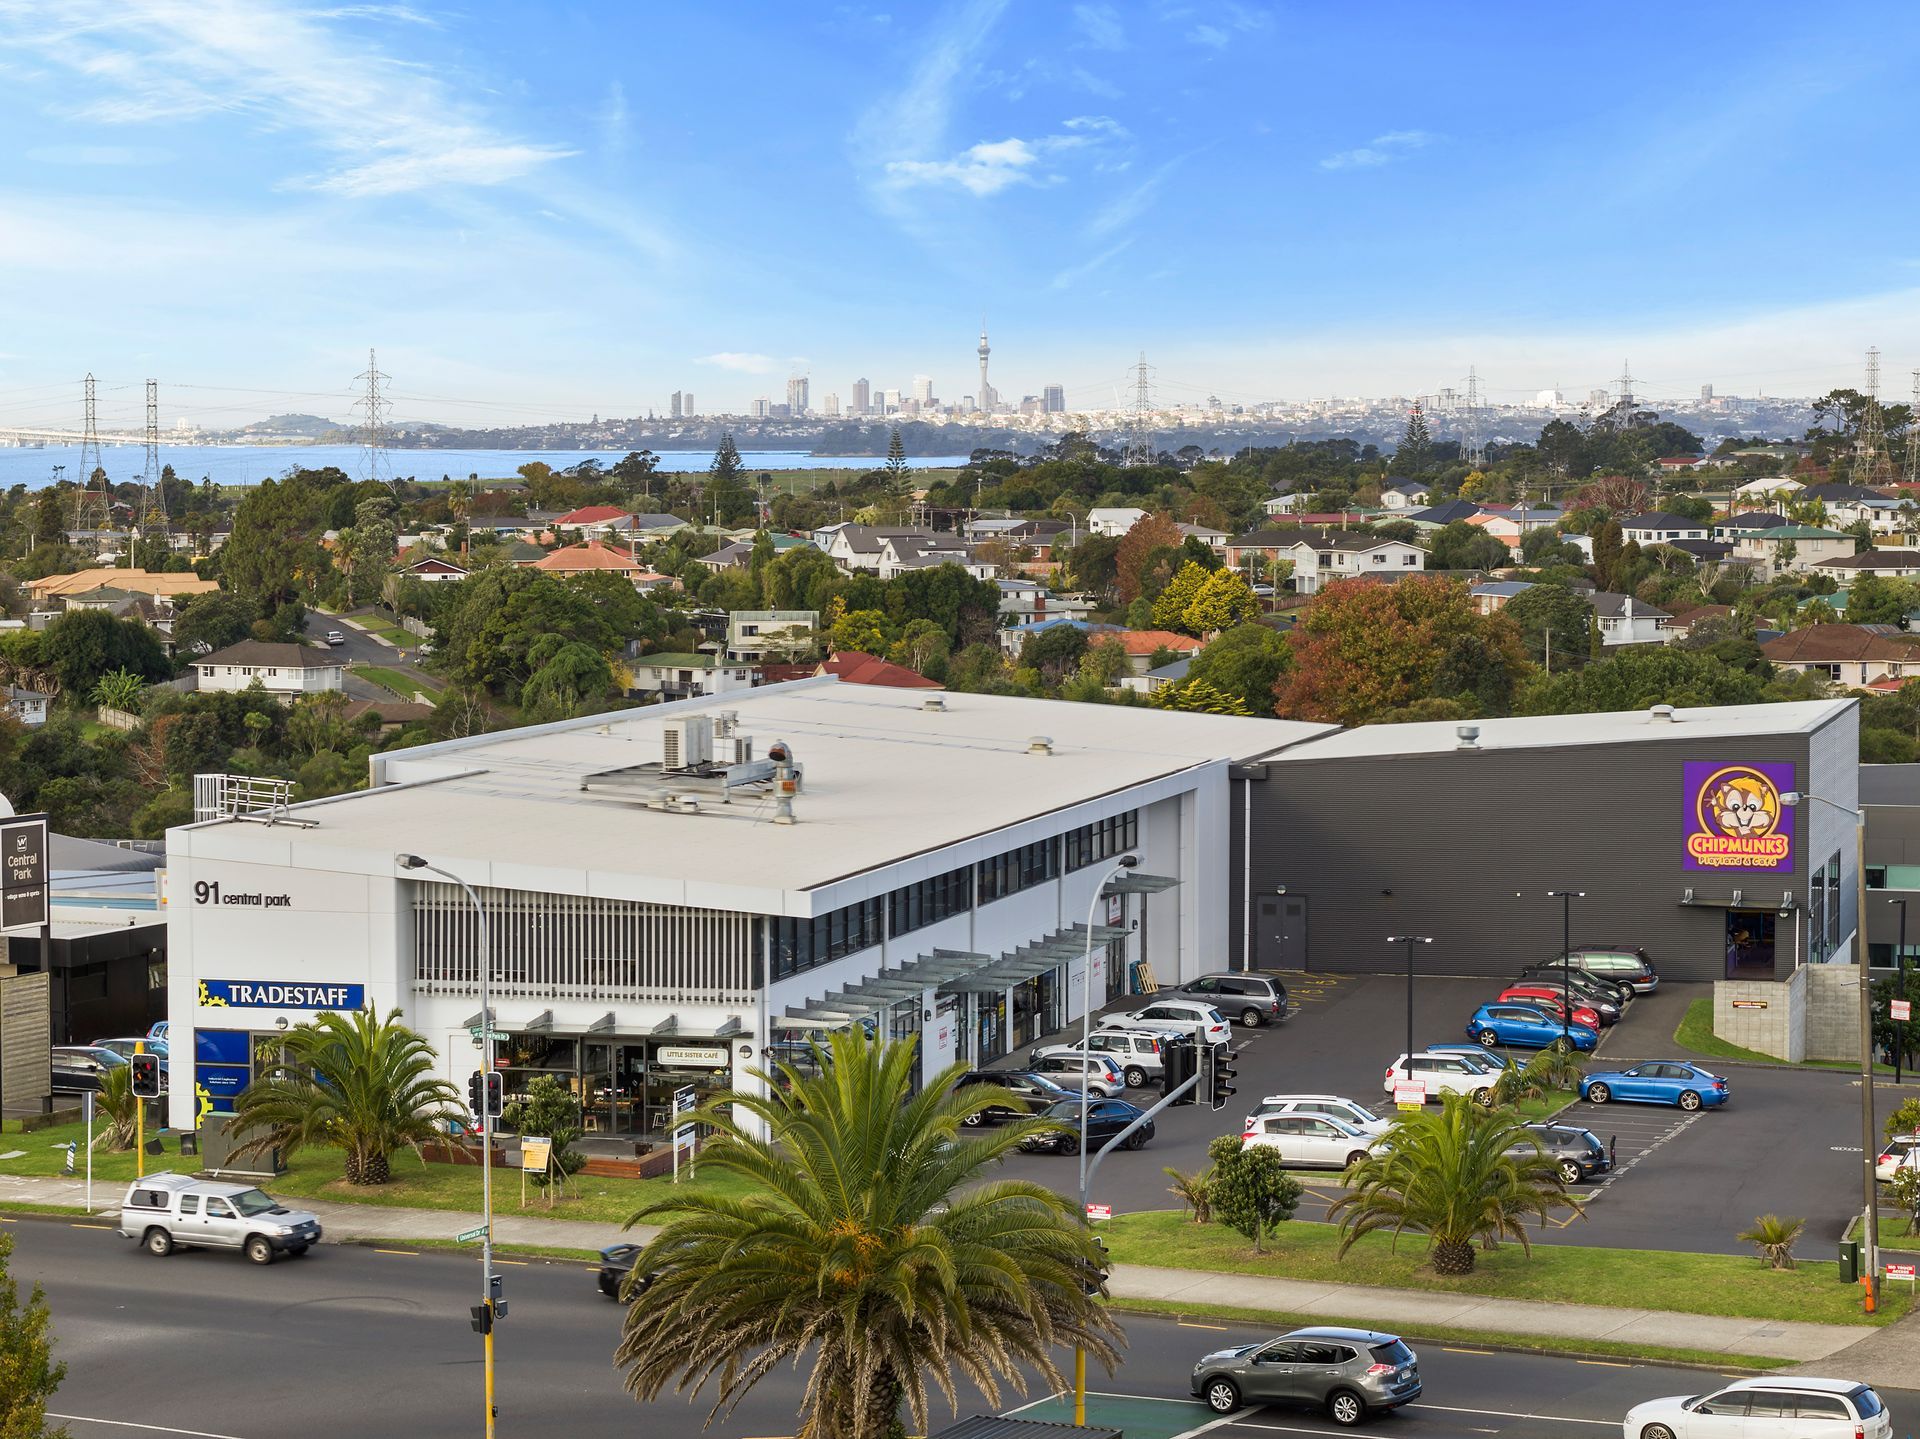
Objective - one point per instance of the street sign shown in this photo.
(479, 1034)
(1410, 1096)
(1902, 1271)
(1099, 1211)
(1901, 1008)
(535, 1153)
(471, 1234)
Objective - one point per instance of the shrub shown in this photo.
(1774, 1238)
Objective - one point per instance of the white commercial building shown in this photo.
(654, 925)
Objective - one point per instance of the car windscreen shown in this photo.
(1395, 1353)
(251, 1202)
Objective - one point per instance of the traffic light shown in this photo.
(495, 1090)
(482, 1321)
(484, 1094)
(146, 1076)
(1177, 1059)
(1218, 1079)
(1094, 1280)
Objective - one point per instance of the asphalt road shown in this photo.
(351, 1341)
(360, 648)
(1787, 1143)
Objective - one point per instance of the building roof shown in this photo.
(886, 780)
(1172, 673)
(1700, 549)
(1500, 589)
(592, 515)
(1330, 541)
(1754, 520)
(857, 667)
(1905, 559)
(146, 582)
(676, 661)
(1145, 642)
(260, 655)
(1800, 532)
(1444, 514)
(1609, 606)
(1694, 614)
(436, 565)
(591, 555)
(656, 522)
(1661, 520)
(1715, 723)
(1827, 644)
(1408, 487)
(1843, 493)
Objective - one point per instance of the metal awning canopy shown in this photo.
(1141, 884)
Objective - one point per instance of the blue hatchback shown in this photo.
(1524, 1027)
(1658, 1081)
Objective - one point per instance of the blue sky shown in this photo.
(542, 211)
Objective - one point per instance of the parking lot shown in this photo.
(1787, 1143)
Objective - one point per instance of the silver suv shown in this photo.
(166, 1211)
(1351, 1373)
(1136, 1051)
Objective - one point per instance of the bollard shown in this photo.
(72, 1149)
(1866, 1283)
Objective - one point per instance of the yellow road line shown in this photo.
(89, 1226)
(517, 1263)
(1217, 1328)
(1445, 1350)
(1603, 1363)
(410, 1253)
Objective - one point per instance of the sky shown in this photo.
(539, 211)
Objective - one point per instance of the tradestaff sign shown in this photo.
(280, 994)
(1735, 820)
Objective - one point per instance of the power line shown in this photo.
(373, 458)
(150, 476)
(1476, 455)
(1870, 464)
(1139, 449)
(90, 506)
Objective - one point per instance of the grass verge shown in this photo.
(1440, 1334)
(64, 1211)
(1717, 1284)
(402, 686)
(1695, 1032)
(508, 1251)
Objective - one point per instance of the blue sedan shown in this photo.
(1524, 1027)
(1661, 1081)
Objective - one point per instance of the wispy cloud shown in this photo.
(1074, 274)
(1380, 150)
(740, 362)
(97, 155)
(992, 165)
(1224, 22)
(1125, 208)
(1212, 36)
(1101, 26)
(615, 121)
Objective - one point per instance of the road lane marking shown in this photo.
(89, 1226)
(1217, 1328)
(1604, 1363)
(410, 1253)
(1205, 1428)
(1511, 1414)
(1486, 1352)
(129, 1424)
(1035, 1404)
(516, 1263)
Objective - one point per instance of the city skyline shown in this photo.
(200, 195)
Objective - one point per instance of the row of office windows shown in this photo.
(800, 944)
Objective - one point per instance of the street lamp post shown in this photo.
(1900, 991)
(1870, 1194)
(1566, 898)
(414, 861)
(1409, 940)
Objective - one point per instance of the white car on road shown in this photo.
(1309, 1139)
(1439, 1074)
(1173, 1016)
(1782, 1408)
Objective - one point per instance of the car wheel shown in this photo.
(1346, 1408)
(1569, 1172)
(1626, 993)
(1252, 1018)
(1689, 1100)
(1484, 1097)
(1656, 1431)
(1136, 1140)
(1069, 1144)
(1223, 1396)
(1488, 1039)
(976, 1119)
(258, 1250)
(1598, 1094)
(1136, 1077)
(159, 1243)
(1355, 1157)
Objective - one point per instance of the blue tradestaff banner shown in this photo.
(279, 994)
(214, 1088)
(223, 1046)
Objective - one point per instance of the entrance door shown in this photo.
(1281, 937)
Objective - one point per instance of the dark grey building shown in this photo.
(1461, 832)
(1890, 793)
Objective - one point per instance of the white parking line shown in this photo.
(1511, 1414)
(129, 1424)
(1672, 1131)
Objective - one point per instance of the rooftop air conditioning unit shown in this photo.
(686, 742)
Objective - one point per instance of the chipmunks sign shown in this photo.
(1735, 820)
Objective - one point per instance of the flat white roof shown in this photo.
(1561, 731)
(885, 779)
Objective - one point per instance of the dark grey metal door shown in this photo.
(1282, 932)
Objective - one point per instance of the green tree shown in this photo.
(1553, 622)
(1248, 1187)
(1198, 697)
(1133, 573)
(1244, 662)
(1224, 600)
(216, 620)
(28, 1374)
(274, 557)
(1608, 553)
(1054, 651)
(1414, 454)
(353, 1082)
(866, 630)
(1171, 607)
(551, 1111)
(1875, 601)
(1463, 1175)
(119, 689)
(82, 645)
(726, 466)
(1639, 676)
(1544, 546)
(319, 722)
(1461, 546)
(899, 475)
(861, 1236)
(120, 1107)
(1774, 1238)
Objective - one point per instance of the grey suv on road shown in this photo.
(1350, 1373)
(167, 1211)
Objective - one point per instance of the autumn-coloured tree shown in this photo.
(1363, 648)
(1225, 600)
(1620, 494)
(1171, 608)
(1130, 562)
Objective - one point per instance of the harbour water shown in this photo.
(249, 464)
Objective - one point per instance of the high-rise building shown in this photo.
(797, 395)
(687, 411)
(831, 406)
(890, 402)
(675, 411)
(1599, 399)
(986, 390)
(1706, 392)
(862, 396)
(1056, 399)
(923, 391)
(761, 407)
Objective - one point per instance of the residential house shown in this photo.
(1680, 624)
(738, 554)
(1623, 620)
(652, 582)
(862, 548)
(1681, 464)
(1215, 540)
(591, 517)
(756, 635)
(589, 557)
(1264, 545)
(1768, 489)
(1115, 521)
(684, 676)
(1790, 548)
(1851, 655)
(1747, 522)
(27, 706)
(1438, 516)
(285, 671)
(1704, 552)
(857, 667)
(433, 571)
(1406, 494)
(51, 591)
(1491, 595)
(1014, 638)
(1155, 680)
(1657, 527)
(1888, 564)
(1850, 504)
(900, 553)
(1142, 645)
(1286, 504)
(1322, 556)
(1510, 524)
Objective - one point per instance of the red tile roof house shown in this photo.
(584, 558)
(1143, 644)
(857, 667)
(1850, 655)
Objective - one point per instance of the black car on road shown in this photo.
(616, 1263)
(1105, 1119)
(1036, 1089)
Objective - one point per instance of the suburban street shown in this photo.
(360, 649)
(355, 1340)
(1787, 1143)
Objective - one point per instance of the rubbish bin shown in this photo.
(1849, 1261)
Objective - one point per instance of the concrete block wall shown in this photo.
(1763, 1015)
(1833, 1011)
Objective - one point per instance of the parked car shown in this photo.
(1796, 1408)
(1249, 996)
(1318, 1141)
(1658, 1081)
(1553, 1002)
(1136, 1051)
(1095, 1074)
(336, 638)
(157, 1030)
(78, 1068)
(1491, 1060)
(1105, 1119)
(1526, 1027)
(1602, 994)
(1577, 1153)
(1331, 1106)
(1350, 1373)
(125, 1047)
(1900, 1152)
(167, 1211)
(1440, 1074)
(616, 1263)
(1036, 1089)
(1622, 965)
(1173, 1016)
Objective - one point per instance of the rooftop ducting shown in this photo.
(1040, 744)
(934, 705)
(1468, 736)
(1662, 714)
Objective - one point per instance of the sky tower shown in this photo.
(986, 396)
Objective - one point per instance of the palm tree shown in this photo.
(460, 496)
(353, 1082)
(119, 1106)
(1774, 1238)
(1462, 1174)
(868, 1239)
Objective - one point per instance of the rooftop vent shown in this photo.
(1661, 714)
(1040, 744)
(1468, 735)
(934, 705)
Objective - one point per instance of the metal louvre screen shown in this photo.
(562, 946)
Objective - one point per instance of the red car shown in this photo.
(1550, 1000)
